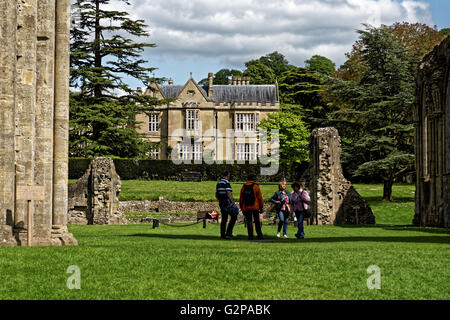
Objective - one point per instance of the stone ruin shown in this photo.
(94, 198)
(34, 121)
(432, 139)
(333, 198)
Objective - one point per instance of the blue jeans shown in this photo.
(233, 213)
(300, 232)
(284, 220)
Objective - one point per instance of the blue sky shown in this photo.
(202, 36)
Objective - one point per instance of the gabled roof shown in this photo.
(227, 93)
(170, 91)
(245, 93)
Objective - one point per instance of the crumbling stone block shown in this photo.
(94, 198)
(333, 198)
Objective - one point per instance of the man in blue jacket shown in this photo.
(224, 193)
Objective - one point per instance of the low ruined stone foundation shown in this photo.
(432, 139)
(333, 198)
(34, 119)
(94, 198)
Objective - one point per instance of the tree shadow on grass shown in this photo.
(407, 239)
(392, 227)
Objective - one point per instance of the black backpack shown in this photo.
(249, 195)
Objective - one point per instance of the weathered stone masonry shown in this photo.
(333, 198)
(34, 102)
(94, 198)
(432, 139)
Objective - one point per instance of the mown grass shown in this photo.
(138, 262)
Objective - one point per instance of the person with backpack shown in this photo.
(251, 203)
(300, 201)
(224, 193)
(282, 199)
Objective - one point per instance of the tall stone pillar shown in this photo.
(25, 107)
(333, 198)
(432, 139)
(61, 118)
(34, 51)
(8, 58)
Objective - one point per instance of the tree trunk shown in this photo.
(387, 190)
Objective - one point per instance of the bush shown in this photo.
(148, 169)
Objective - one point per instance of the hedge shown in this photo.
(147, 169)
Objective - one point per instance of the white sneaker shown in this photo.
(278, 235)
(285, 236)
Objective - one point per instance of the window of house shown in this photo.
(192, 151)
(197, 151)
(246, 151)
(153, 122)
(192, 119)
(154, 153)
(245, 122)
(184, 151)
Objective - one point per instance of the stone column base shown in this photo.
(62, 237)
(6, 236)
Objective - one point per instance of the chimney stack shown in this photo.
(230, 82)
(234, 80)
(210, 84)
(170, 82)
(239, 81)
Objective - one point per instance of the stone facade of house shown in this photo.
(219, 120)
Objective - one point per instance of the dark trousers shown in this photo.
(250, 217)
(233, 213)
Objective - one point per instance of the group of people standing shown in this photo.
(287, 204)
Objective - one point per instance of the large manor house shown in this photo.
(220, 118)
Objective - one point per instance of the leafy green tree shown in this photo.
(445, 32)
(103, 106)
(293, 135)
(260, 73)
(300, 93)
(222, 76)
(321, 65)
(267, 69)
(380, 106)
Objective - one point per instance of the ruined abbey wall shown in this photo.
(333, 198)
(432, 139)
(34, 103)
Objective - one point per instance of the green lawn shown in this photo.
(138, 262)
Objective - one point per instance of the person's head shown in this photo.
(226, 175)
(251, 177)
(295, 186)
(302, 184)
(282, 186)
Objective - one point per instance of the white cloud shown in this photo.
(235, 31)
